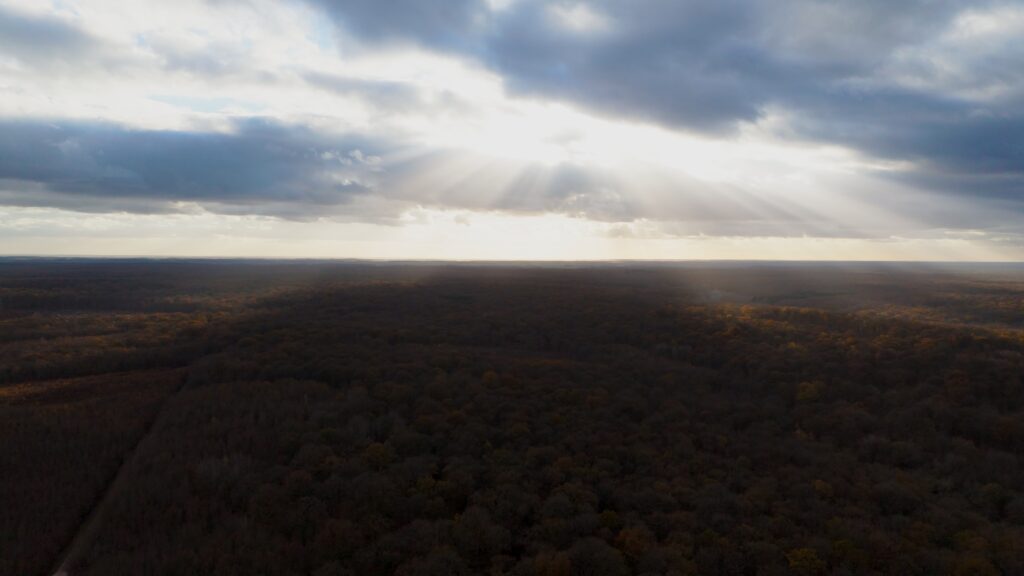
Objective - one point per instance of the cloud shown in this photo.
(836, 118)
(296, 172)
(262, 167)
(448, 23)
(383, 94)
(35, 40)
(948, 146)
(267, 168)
(259, 162)
(699, 64)
(854, 73)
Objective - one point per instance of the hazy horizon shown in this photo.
(882, 265)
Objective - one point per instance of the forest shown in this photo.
(351, 418)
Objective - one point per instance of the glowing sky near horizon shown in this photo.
(513, 129)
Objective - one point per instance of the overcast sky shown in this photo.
(513, 129)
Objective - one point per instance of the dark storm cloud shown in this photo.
(989, 146)
(710, 65)
(33, 39)
(703, 64)
(651, 62)
(259, 162)
(954, 147)
(448, 23)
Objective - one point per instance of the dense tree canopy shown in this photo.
(544, 422)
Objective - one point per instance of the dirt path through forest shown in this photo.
(86, 533)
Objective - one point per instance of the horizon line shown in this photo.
(596, 261)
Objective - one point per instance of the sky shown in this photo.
(513, 129)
